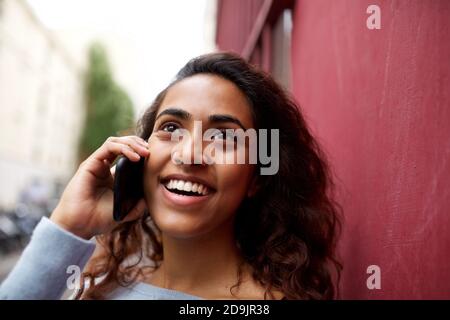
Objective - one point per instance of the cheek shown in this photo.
(159, 156)
(234, 180)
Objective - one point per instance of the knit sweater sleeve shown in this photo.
(46, 264)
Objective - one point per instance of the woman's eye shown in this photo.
(169, 127)
(223, 135)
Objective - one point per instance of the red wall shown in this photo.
(235, 22)
(379, 100)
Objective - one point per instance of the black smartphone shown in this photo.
(128, 186)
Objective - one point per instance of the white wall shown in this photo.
(41, 107)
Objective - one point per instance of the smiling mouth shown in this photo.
(186, 188)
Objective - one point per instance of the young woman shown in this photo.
(203, 230)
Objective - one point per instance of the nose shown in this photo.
(189, 150)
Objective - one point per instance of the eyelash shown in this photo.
(223, 131)
(167, 124)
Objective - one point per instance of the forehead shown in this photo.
(203, 94)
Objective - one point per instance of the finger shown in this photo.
(137, 211)
(110, 150)
(135, 138)
(100, 161)
(129, 152)
(135, 142)
(139, 149)
(140, 140)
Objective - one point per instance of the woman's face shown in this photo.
(216, 190)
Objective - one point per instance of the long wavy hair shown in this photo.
(287, 232)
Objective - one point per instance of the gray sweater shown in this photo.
(46, 269)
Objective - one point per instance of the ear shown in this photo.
(254, 187)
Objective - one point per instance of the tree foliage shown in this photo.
(109, 110)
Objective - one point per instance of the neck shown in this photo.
(200, 264)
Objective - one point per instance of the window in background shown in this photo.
(281, 49)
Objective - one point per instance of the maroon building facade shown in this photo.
(379, 102)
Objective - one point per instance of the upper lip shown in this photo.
(187, 178)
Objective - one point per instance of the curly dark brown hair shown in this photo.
(287, 232)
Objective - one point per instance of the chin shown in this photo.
(177, 225)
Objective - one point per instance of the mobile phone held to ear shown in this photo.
(128, 186)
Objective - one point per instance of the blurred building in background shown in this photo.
(378, 100)
(41, 107)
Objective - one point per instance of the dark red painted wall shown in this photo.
(235, 22)
(380, 102)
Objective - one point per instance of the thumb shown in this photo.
(137, 211)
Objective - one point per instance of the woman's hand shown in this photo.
(86, 205)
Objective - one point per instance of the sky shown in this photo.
(148, 41)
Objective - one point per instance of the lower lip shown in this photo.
(181, 200)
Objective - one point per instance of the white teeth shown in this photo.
(187, 186)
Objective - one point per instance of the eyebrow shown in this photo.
(179, 113)
(224, 118)
(214, 118)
